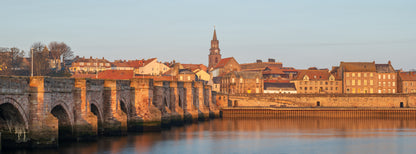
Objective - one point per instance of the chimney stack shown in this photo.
(259, 61)
(272, 60)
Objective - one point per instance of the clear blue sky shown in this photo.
(300, 34)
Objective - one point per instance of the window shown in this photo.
(371, 74)
(384, 84)
(384, 76)
(107, 64)
(241, 80)
(348, 74)
(379, 83)
(348, 82)
(393, 76)
(394, 90)
(306, 83)
(81, 63)
(353, 74)
(389, 83)
(336, 88)
(365, 82)
(101, 64)
(181, 77)
(384, 90)
(371, 90)
(257, 80)
(321, 82)
(371, 82)
(353, 82)
(232, 80)
(359, 74)
(379, 76)
(394, 83)
(353, 90)
(326, 83)
(388, 76)
(300, 88)
(365, 74)
(359, 82)
(389, 90)
(310, 88)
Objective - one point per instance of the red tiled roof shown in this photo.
(358, 66)
(273, 70)
(313, 74)
(408, 76)
(148, 61)
(223, 62)
(116, 74)
(194, 67)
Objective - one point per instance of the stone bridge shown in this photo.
(40, 111)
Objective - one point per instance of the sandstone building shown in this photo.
(225, 66)
(407, 82)
(317, 81)
(367, 77)
(242, 82)
(89, 65)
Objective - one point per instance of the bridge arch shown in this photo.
(97, 111)
(65, 121)
(11, 110)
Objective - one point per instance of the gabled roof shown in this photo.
(384, 68)
(408, 76)
(313, 74)
(193, 67)
(223, 62)
(273, 70)
(358, 66)
(149, 61)
(130, 63)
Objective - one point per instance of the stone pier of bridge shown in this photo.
(41, 111)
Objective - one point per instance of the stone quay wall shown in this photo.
(319, 100)
(41, 111)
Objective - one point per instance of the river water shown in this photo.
(233, 135)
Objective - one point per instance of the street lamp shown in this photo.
(31, 51)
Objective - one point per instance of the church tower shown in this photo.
(214, 54)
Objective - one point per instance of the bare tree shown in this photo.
(57, 50)
(40, 59)
(10, 60)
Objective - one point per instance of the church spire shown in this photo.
(214, 55)
(215, 35)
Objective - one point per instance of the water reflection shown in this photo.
(233, 135)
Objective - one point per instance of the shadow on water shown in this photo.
(254, 135)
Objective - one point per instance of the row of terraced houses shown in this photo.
(226, 75)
